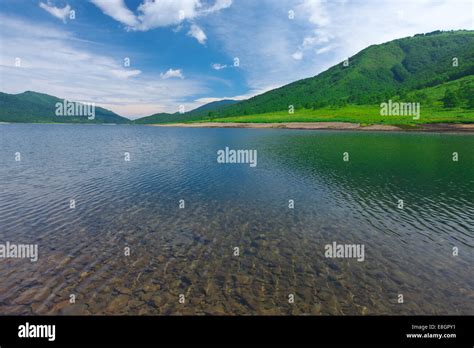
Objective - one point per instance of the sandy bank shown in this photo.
(434, 127)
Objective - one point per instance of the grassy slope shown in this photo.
(432, 111)
(364, 114)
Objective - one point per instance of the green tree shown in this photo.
(450, 99)
(470, 101)
(402, 94)
(420, 96)
(466, 93)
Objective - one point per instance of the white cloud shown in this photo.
(117, 10)
(163, 13)
(218, 5)
(158, 13)
(250, 94)
(124, 73)
(203, 101)
(318, 14)
(325, 49)
(298, 55)
(218, 66)
(197, 33)
(172, 74)
(57, 12)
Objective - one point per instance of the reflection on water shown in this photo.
(190, 251)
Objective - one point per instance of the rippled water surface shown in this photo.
(190, 251)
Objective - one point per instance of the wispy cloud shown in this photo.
(218, 66)
(172, 74)
(61, 13)
(218, 5)
(118, 11)
(250, 94)
(262, 37)
(196, 32)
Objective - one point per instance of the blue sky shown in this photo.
(182, 52)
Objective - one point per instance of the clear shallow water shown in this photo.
(190, 251)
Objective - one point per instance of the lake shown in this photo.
(158, 226)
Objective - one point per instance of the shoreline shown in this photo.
(344, 126)
(429, 127)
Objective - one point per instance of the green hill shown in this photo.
(40, 108)
(211, 108)
(374, 74)
(394, 70)
(205, 111)
(158, 118)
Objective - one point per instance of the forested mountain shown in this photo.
(40, 108)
